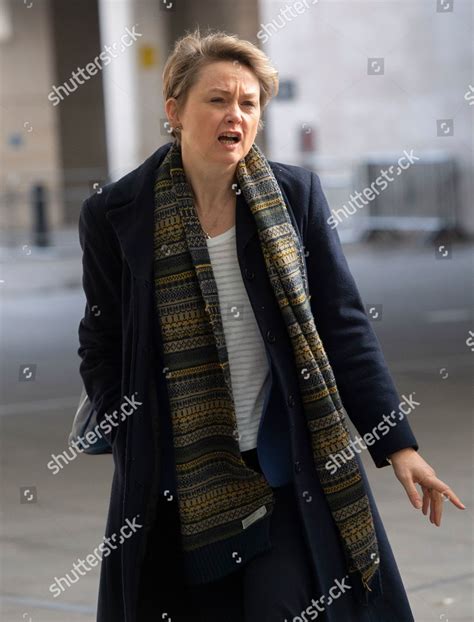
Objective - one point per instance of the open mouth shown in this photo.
(228, 139)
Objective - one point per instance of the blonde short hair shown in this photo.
(193, 51)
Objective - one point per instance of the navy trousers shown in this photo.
(275, 585)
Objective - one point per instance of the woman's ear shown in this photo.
(171, 109)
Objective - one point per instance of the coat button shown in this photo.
(270, 336)
(249, 274)
(297, 467)
(291, 400)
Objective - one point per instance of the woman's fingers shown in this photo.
(409, 485)
(433, 483)
(426, 500)
(436, 507)
(433, 501)
(412, 469)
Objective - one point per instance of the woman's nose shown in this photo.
(233, 112)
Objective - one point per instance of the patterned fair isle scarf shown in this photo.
(215, 488)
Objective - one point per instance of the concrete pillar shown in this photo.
(120, 85)
(77, 96)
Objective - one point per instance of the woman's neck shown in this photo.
(210, 185)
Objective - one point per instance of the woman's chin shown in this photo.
(229, 154)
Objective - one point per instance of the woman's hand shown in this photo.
(411, 469)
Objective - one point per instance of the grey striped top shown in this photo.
(248, 361)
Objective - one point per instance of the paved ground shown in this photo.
(427, 306)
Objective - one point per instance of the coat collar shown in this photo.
(129, 209)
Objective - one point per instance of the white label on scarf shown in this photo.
(254, 516)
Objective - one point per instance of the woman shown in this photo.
(227, 313)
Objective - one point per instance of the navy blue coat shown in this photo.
(121, 356)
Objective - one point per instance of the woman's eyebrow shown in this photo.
(252, 94)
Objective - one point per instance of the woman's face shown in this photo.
(226, 97)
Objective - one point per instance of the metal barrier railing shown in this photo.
(392, 193)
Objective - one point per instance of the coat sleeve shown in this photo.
(100, 334)
(365, 386)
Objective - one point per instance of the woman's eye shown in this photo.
(219, 99)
